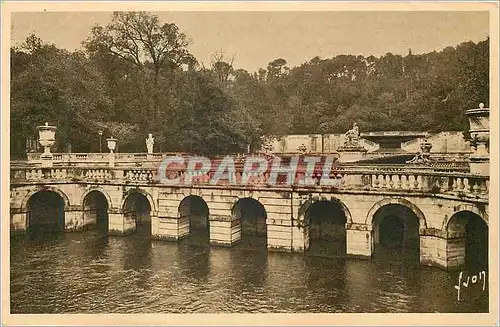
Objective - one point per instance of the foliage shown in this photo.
(55, 86)
(136, 76)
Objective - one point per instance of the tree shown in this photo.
(132, 80)
(222, 68)
(144, 59)
(139, 38)
(53, 85)
(276, 68)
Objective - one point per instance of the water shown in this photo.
(90, 272)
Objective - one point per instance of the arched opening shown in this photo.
(45, 212)
(95, 211)
(327, 233)
(137, 214)
(252, 216)
(396, 233)
(392, 231)
(467, 243)
(193, 211)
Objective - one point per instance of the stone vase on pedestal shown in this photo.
(47, 139)
(424, 157)
(111, 146)
(479, 121)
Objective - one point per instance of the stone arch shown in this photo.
(143, 192)
(236, 199)
(465, 207)
(46, 210)
(193, 209)
(24, 205)
(250, 195)
(195, 196)
(303, 208)
(95, 205)
(98, 189)
(467, 236)
(138, 209)
(325, 221)
(252, 217)
(401, 201)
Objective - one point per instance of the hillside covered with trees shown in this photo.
(136, 76)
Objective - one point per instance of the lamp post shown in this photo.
(100, 141)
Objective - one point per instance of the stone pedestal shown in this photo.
(479, 165)
(279, 235)
(441, 250)
(118, 224)
(480, 160)
(111, 159)
(433, 250)
(359, 241)
(351, 154)
(300, 238)
(18, 223)
(46, 162)
(111, 146)
(455, 252)
(169, 228)
(224, 230)
(479, 122)
(167, 223)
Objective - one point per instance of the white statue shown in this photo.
(352, 136)
(150, 141)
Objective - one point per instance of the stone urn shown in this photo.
(479, 129)
(268, 147)
(47, 138)
(479, 122)
(426, 147)
(111, 144)
(424, 157)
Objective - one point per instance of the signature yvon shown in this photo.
(481, 276)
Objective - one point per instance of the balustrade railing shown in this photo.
(34, 174)
(100, 158)
(140, 175)
(375, 179)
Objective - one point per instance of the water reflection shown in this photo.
(90, 272)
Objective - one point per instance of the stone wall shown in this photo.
(441, 142)
(313, 143)
(449, 142)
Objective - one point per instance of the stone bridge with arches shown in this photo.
(441, 213)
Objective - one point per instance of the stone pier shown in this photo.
(224, 230)
(359, 240)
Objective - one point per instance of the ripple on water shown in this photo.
(91, 273)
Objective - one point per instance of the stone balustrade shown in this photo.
(34, 174)
(102, 159)
(140, 175)
(393, 179)
(456, 161)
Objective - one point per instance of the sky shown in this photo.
(256, 38)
